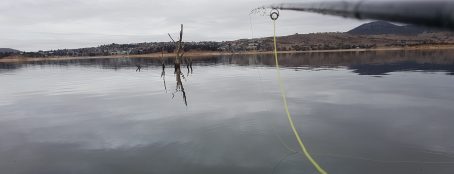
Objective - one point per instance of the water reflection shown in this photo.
(179, 85)
(163, 76)
(100, 116)
(362, 63)
(189, 62)
(178, 77)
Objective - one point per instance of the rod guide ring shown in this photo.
(274, 14)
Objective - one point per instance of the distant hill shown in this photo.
(382, 27)
(367, 36)
(8, 50)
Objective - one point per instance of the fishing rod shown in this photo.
(437, 14)
(429, 13)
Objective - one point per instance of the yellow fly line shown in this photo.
(274, 15)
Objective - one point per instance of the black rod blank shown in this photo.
(431, 13)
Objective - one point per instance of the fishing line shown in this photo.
(274, 16)
(252, 30)
(275, 167)
(261, 85)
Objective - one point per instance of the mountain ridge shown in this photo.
(8, 50)
(371, 35)
(383, 27)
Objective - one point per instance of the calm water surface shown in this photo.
(357, 112)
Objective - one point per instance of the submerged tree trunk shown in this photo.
(179, 52)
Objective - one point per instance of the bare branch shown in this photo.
(180, 42)
(181, 33)
(171, 37)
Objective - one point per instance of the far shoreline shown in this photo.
(207, 54)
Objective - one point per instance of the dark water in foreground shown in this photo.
(375, 113)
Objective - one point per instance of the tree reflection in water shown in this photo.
(163, 76)
(178, 77)
(180, 86)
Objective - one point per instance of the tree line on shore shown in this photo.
(296, 42)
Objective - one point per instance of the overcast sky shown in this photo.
(32, 25)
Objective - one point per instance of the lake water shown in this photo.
(357, 112)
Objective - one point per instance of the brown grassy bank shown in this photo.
(194, 55)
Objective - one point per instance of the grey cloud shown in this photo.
(51, 24)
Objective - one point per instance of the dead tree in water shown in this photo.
(179, 50)
(163, 73)
(189, 64)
